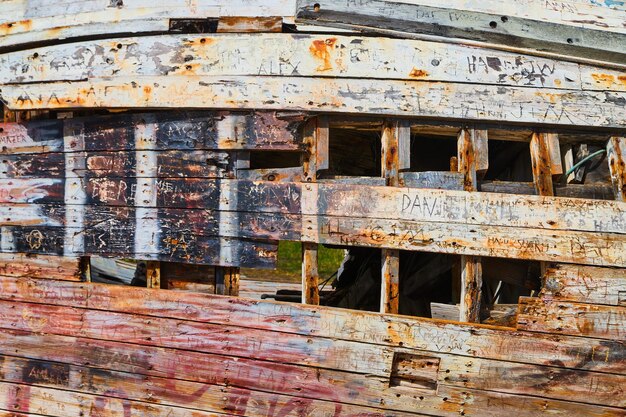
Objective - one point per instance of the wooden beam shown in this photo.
(546, 161)
(390, 261)
(616, 151)
(473, 162)
(310, 274)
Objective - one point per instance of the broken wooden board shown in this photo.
(578, 319)
(531, 25)
(584, 284)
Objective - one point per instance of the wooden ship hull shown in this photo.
(475, 151)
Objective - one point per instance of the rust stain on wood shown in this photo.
(323, 50)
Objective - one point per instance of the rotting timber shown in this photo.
(469, 156)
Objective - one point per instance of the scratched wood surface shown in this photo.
(586, 284)
(118, 354)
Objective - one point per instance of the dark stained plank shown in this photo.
(176, 130)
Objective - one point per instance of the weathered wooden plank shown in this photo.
(287, 54)
(374, 97)
(125, 164)
(386, 330)
(496, 28)
(495, 241)
(119, 240)
(586, 284)
(25, 23)
(616, 150)
(127, 388)
(61, 403)
(562, 317)
(580, 387)
(201, 337)
(183, 131)
(315, 133)
(40, 266)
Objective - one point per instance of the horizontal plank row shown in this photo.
(324, 199)
(182, 131)
(40, 266)
(301, 56)
(363, 327)
(173, 379)
(134, 164)
(364, 96)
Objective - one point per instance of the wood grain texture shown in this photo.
(562, 317)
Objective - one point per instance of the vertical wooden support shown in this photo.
(231, 276)
(473, 155)
(545, 156)
(322, 144)
(313, 130)
(85, 268)
(616, 155)
(153, 274)
(568, 161)
(395, 155)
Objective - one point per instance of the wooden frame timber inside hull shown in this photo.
(216, 72)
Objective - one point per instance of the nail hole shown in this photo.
(35, 55)
(119, 46)
(504, 19)
(316, 7)
(570, 41)
(493, 24)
